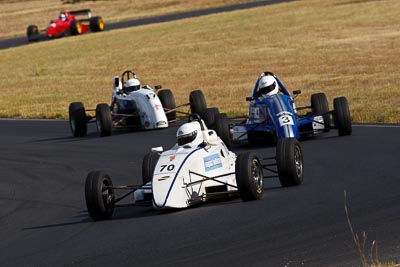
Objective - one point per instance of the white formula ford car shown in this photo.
(198, 168)
(132, 106)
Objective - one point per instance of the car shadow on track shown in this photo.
(137, 212)
(83, 217)
(89, 136)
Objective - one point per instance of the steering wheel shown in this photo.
(267, 73)
(196, 117)
(126, 76)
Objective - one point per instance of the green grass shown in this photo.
(339, 47)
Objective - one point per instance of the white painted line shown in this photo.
(377, 125)
(17, 119)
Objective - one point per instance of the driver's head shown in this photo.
(62, 16)
(189, 135)
(132, 84)
(267, 86)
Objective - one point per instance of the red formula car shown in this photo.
(67, 24)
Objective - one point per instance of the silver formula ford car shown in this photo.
(133, 106)
(198, 168)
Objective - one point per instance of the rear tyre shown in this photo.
(168, 101)
(249, 176)
(148, 166)
(221, 126)
(198, 103)
(209, 117)
(289, 159)
(75, 28)
(342, 116)
(103, 119)
(96, 24)
(77, 119)
(319, 106)
(99, 195)
(32, 33)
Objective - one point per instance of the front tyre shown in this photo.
(342, 116)
(103, 119)
(289, 159)
(197, 102)
(77, 119)
(99, 195)
(320, 106)
(32, 33)
(209, 117)
(148, 166)
(221, 127)
(168, 101)
(249, 176)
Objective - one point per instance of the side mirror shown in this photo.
(158, 87)
(213, 138)
(157, 149)
(249, 98)
(116, 81)
(297, 92)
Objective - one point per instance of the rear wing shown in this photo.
(87, 12)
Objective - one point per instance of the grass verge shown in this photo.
(16, 15)
(340, 47)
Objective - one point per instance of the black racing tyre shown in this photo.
(209, 117)
(289, 159)
(342, 116)
(77, 119)
(319, 106)
(221, 126)
(96, 24)
(32, 33)
(197, 103)
(99, 195)
(249, 176)
(168, 101)
(148, 166)
(104, 122)
(75, 27)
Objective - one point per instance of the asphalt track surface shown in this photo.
(19, 41)
(44, 221)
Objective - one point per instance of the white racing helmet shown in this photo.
(62, 16)
(189, 135)
(267, 86)
(132, 84)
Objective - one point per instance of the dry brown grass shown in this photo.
(16, 15)
(340, 47)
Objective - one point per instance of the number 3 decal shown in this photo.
(285, 120)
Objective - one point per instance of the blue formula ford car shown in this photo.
(273, 115)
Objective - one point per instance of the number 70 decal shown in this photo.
(169, 167)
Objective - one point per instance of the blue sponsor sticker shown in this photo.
(212, 162)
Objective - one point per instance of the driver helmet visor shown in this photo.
(186, 138)
(132, 88)
(267, 89)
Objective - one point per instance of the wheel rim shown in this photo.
(101, 25)
(79, 28)
(298, 161)
(72, 124)
(98, 124)
(107, 194)
(257, 175)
